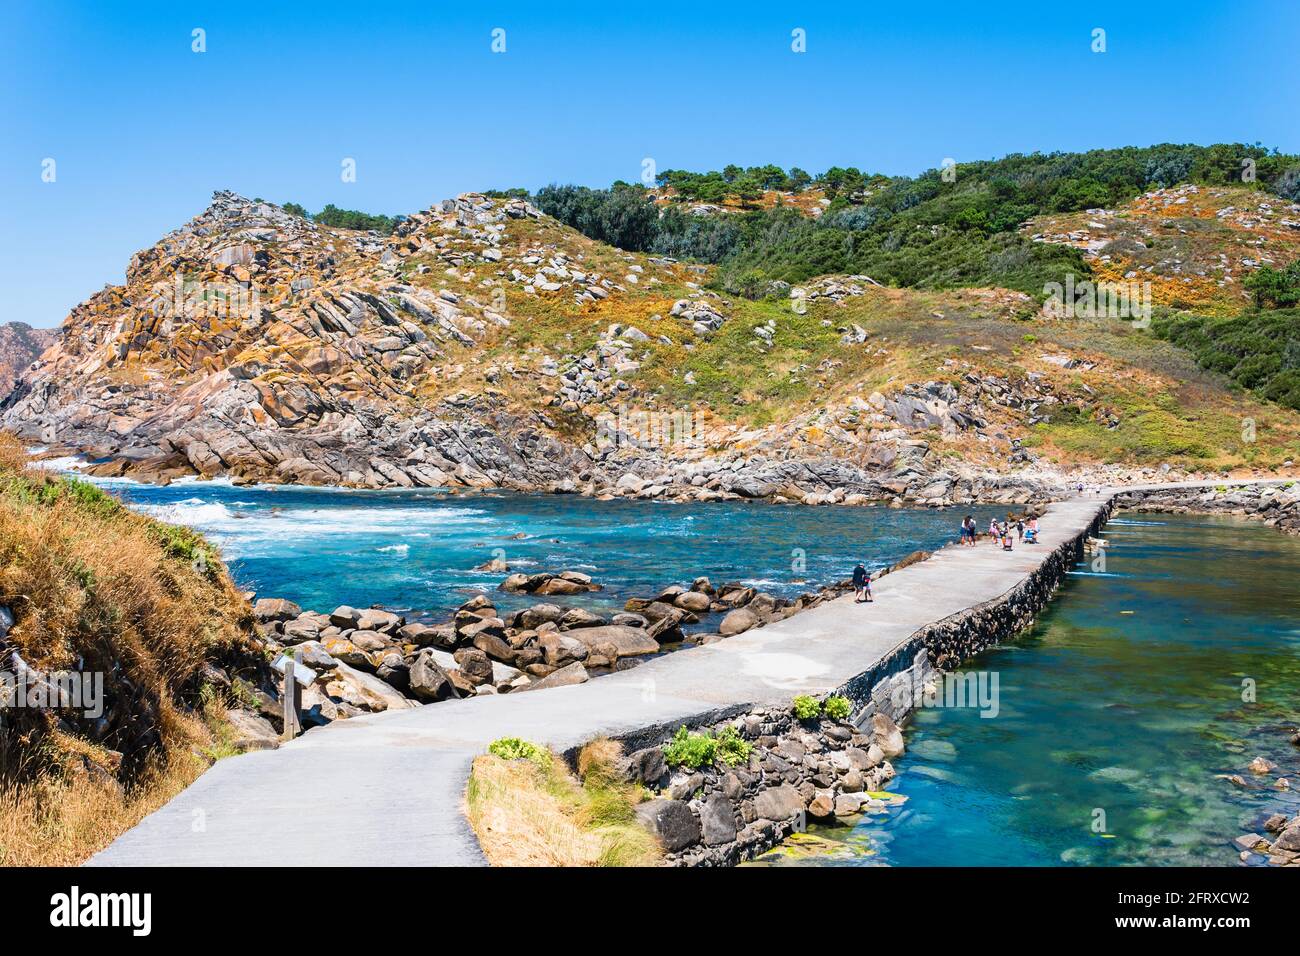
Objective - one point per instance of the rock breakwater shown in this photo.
(772, 774)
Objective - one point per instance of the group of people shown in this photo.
(1024, 529)
(1000, 532)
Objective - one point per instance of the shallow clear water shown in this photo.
(415, 550)
(1124, 700)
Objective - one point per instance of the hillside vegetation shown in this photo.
(91, 587)
(775, 380)
(949, 227)
(1260, 351)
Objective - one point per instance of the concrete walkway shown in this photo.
(387, 789)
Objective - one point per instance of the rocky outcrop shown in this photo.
(566, 582)
(257, 344)
(1281, 847)
(1277, 505)
(20, 346)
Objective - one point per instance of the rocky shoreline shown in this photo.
(371, 660)
(1277, 505)
(823, 481)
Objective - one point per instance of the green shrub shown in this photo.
(690, 750)
(837, 707)
(338, 218)
(188, 546)
(1257, 350)
(695, 750)
(732, 748)
(622, 216)
(926, 231)
(91, 497)
(1275, 288)
(515, 748)
(807, 707)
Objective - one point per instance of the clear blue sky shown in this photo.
(143, 129)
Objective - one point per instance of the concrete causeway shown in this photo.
(387, 789)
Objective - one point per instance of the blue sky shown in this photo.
(143, 129)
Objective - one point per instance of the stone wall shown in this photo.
(826, 769)
(721, 815)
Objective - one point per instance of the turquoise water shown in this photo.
(1131, 715)
(416, 550)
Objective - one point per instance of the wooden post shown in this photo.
(292, 698)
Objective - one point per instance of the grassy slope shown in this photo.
(95, 587)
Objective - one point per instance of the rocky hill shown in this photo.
(486, 345)
(20, 345)
(256, 343)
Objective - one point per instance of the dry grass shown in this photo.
(536, 813)
(55, 821)
(96, 588)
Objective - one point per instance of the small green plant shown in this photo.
(516, 748)
(188, 546)
(695, 750)
(90, 497)
(837, 707)
(733, 749)
(806, 707)
(690, 750)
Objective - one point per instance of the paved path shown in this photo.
(387, 789)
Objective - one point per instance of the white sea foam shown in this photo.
(270, 526)
(67, 463)
(402, 549)
(218, 482)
